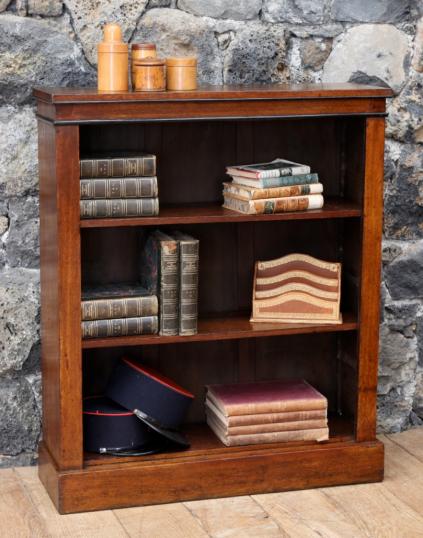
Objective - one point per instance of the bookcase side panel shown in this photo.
(60, 293)
(370, 280)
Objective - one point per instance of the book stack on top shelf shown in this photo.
(169, 269)
(118, 310)
(274, 187)
(123, 185)
(266, 412)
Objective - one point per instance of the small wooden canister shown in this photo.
(139, 51)
(182, 73)
(112, 61)
(149, 75)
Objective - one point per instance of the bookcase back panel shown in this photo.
(192, 156)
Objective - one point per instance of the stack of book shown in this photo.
(274, 187)
(297, 288)
(169, 269)
(118, 186)
(118, 310)
(266, 412)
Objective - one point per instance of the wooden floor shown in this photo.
(390, 509)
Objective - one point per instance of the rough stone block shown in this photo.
(404, 274)
(222, 9)
(33, 53)
(369, 53)
(19, 317)
(405, 112)
(295, 11)
(46, 8)
(314, 52)
(370, 11)
(22, 245)
(4, 4)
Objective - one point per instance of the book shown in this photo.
(275, 168)
(243, 192)
(265, 418)
(272, 182)
(117, 301)
(122, 187)
(297, 289)
(188, 282)
(159, 274)
(265, 397)
(117, 165)
(132, 207)
(102, 328)
(273, 205)
(319, 435)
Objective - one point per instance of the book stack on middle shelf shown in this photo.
(118, 185)
(274, 187)
(267, 412)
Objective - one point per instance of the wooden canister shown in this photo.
(139, 51)
(149, 75)
(181, 73)
(112, 61)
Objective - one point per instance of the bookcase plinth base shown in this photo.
(230, 473)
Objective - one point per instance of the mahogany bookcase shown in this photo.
(339, 131)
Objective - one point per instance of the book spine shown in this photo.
(188, 282)
(274, 205)
(283, 181)
(271, 427)
(120, 167)
(129, 307)
(246, 193)
(136, 207)
(120, 327)
(137, 187)
(169, 288)
(286, 171)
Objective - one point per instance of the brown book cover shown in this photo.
(122, 187)
(297, 289)
(131, 207)
(319, 435)
(244, 192)
(265, 418)
(273, 205)
(102, 328)
(188, 282)
(265, 397)
(118, 165)
(159, 273)
(117, 301)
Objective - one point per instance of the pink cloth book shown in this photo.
(265, 397)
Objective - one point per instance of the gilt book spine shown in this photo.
(159, 273)
(122, 166)
(125, 307)
(188, 283)
(122, 187)
(272, 182)
(258, 419)
(243, 192)
(103, 328)
(273, 205)
(135, 207)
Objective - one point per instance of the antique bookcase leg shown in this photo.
(61, 294)
(370, 280)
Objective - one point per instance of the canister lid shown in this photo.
(149, 61)
(143, 46)
(188, 61)
(112, 39)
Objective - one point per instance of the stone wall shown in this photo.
(52, 42)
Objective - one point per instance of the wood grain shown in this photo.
(411, 441)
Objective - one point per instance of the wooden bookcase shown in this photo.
(339, 131)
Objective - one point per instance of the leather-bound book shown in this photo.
(246, 193)
(297, 289)
(102, 328)
(119, 187)
(265, 397)
(119, 207)
(273, 205)
(159, 274)
(118, 165)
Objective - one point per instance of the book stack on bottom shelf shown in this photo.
(118, 186)
(266, 412)
(275, 187)
(118, 310)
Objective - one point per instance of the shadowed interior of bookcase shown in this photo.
(191, 159)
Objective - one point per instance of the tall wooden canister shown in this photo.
(112, 61)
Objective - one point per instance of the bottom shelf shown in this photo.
(204, 442)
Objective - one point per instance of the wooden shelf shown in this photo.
(224, 328)
(335, 208)
(205, 443)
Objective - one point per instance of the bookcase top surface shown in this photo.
(208, 92)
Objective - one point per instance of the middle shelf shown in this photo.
(225, 328)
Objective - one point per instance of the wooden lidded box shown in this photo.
(339, 131)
